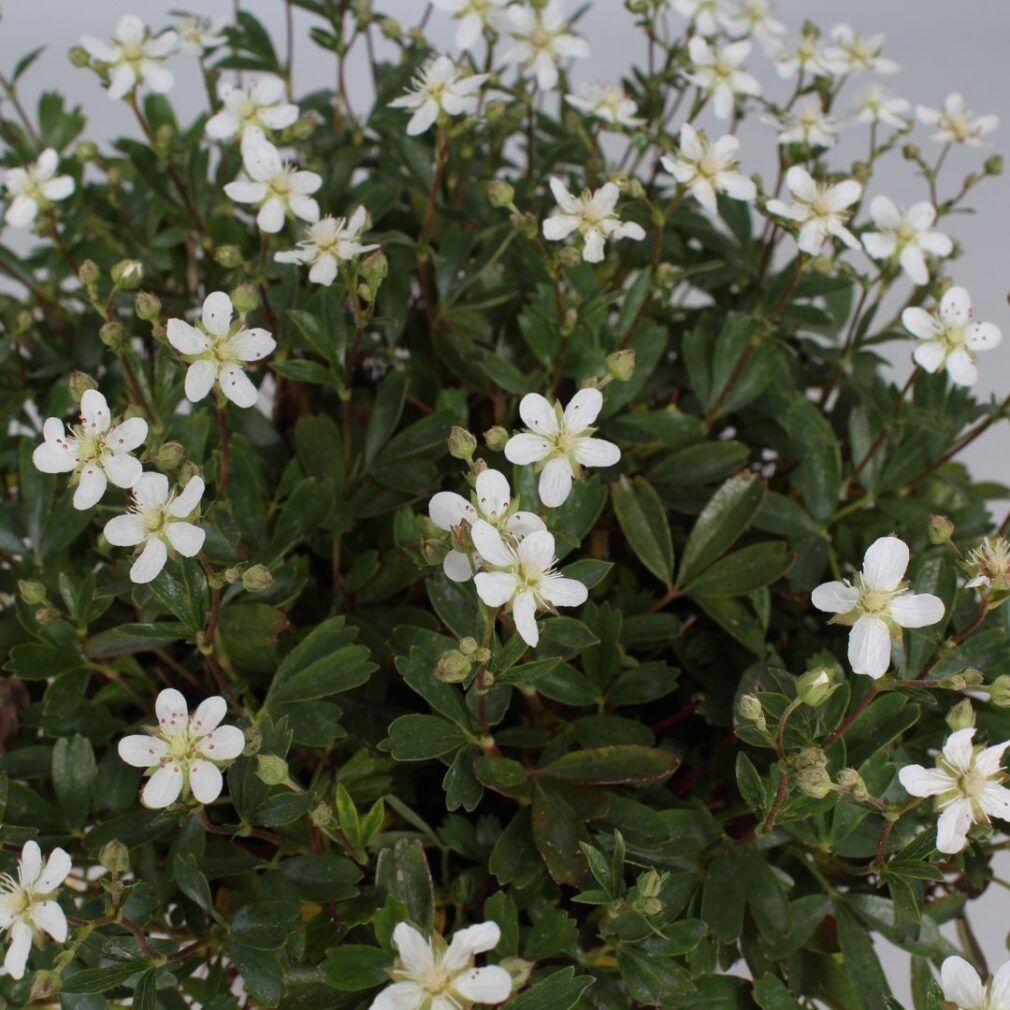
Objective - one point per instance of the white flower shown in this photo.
(988, 564)
(276, 187)
(217, 354)
(593, 215)
(492, 502)
(966, 783)
(707, 169)
(523, 577)
(133, 56)
(964, 989)
(878, 606)
(33, 187)
(706, 17)
(955, 123)
(754, 17)
(809, 124)
(473, 17)
(852, 53)
(328, 243)
(820, 209)
(186, 750)
(908, 234)
(157, 520)
(92, 452)
(561, 441)
(542, 40)
(803, 57)
(877, 105)
(950, 337)
(430, 974)
(28, 906)
(606, 101)
(717, 71)
(197, 33)
(439, 86)
(257, 104)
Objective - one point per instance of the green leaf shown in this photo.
(402, 873)
(567, 632)
(641, 515)
(743, 571)
(560, 991)
(861, 962)
(264, 925)
(92, 981)
(723, 897)
(385, 413)
(321, 877)
(74, 773)
(355, 967)
(261, 972)
(419, 737)
(620, 765)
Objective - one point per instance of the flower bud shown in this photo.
(302, 128)
(257, 579)
(79, 56)
(519, 969)
(817, 685)
(321, 815)
(232, 575)
(749, 709)
(500, 193)
(79, 383)
(147, 306)
(852, 782)
(229, 256)
(462, 888)
(127, 274)
(391, 29)
(170, 455)
(468, 646)
(45, 986)
(994, 165)
(999, 691)
(271, 769)
(33, 593)
(115, 857)
(964, 680)
(911, 152)
(649, 884)
(570, 256)
(88, 273)
(462, 444)
(495, 438)
(86, 150)
(374, 269)
(245, 298)
(46, 615)
(113, 335)
(941, 529)
(452, 667)
(525, 223)
(961, 716)
(810, 757)
(813, 781)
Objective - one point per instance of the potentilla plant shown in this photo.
(466, 548)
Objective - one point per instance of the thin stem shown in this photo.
(222, 427)
(886, 428)
(853, 715)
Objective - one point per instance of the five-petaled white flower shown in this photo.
(33, 187)
(852, 53)
(430, 974)
(134, 56)
(92, 450)
(561, 441)
(257, 104)
(606, 101)
(439, 86)
(964, 990)
(950, 337)
(907, 234)
(877, 105)
(217, 354)
(809, 124)
(157, 520)
(716, 70)
(705, 17)
(523, 577)
(820, 209)
(878, 606)
(275, 186)
(28, 905)
(967, 785)
(593, 215)
(199, 34)
(186, 750)
(754, 18)
(707, 169)
(328, 243)
(541, 40)
(804, 56)
(955, 123)
(473, 17)
(492, 502)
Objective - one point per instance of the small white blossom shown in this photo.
(92, 450)
(877, 105)
(28, 905)
(967, 785)
(717, 71)
(593, 215)
(276, 187)
(218, 351)
(606, 101)
(907, 234)
(805, 56)
(955, 123)
(134, 56)
(705, 17)
(964, 990)
(707, 169)
(541, 40)
(473, 17)
(809, 124)
(439, 87)
(852, 53)
(492, 502)
(878, 606)
(157, 520)
(199, 34)
(34, 187)
(950, 337)
(820, 209)
(754, 18)
(523, 577)
(185, 750)
(560, 441)
(257, 104)
(989, 565)
(430, 974)
(328, 243)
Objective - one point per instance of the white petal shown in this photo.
(22, 211)
(485, 985)
(399, 996)
(237, 386)
(558, 227)
(205, 781)
(224, 744)
(989, 760)
(961, 368)
(869, 646)
(126, 530)
(186, 538)
(835, 597)
(48, 916)
(999, 987)
(917, 610)
(555, 482)
(20, 944)
(562, 592)
(217, 313)
(122, 80)
(475, 939)
(122, 469)
(53, 457)
(597, 452)
(884, 563)
(495, 588)
(952, 827)
(415, 950)
(222, 126)
(524, 609)
(208, 715)
(163, 787)
(983, 336)
(522, 524)
(95, 411)
(958, 750)
(304, 207)
(538, 414)
(267, 89)
(955, 307)
(30, 862)
(127, 436)
(171, 709)
(493, 493)
(158, 78)
(919, 781)
(151, 490)
(423, 118)
(150, 563)
(885, 213)
(930, 355)
(526, 448)
(537, 549)
(457, 566)
(593, 250)
(961, 984)
(59, 188)
(186, 339)
(200, 377)
(914, 264)
(246, 191)
(582, 410)
(995, 801)
(921, 323)
(55, 871)
(142, 751)
(251, 345)
(271, 216)
(186, 502)
(91, 487)
(324, 270)
(490, 545)
(448, 509)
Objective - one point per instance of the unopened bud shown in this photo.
(941, 529)
(649, 884)
(256, 579)
(245, 298)
(994, 165)
(500, 193)
(32, 592)
(115, 857)
(86, 150)
(88, 273)
(271, 769)
(462, 444)
(391, 29)
(79, 383)
(45, 986)
(462, 888)
(851, 781)
(187, 472)
(229, 256)
(621, 364)
(495, 438)
(127, 274)
(570, 256)
(452, 667)
(525, 223)
(375, 269)
(147, 306)
(46, 615)
(911, 152)
(519, 969)
(321, 815)
(817, 685)
(79, 56)
(963, 680)
(999, 691)
(113, 335)
(961, 716)
(468, 646)
(813, 781)
(232, 575)
(750, 710)
(810, 757)
(170, 455)
(303, 128)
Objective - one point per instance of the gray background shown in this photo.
(942, 46)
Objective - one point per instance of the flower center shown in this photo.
(17, 900)
(154, 520)
(281, 185)
(540, 39)
(876, 601)
(89, 445)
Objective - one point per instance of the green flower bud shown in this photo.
(375, 269)
(525, 223)
(911, 152)
(813, 781)
(570, 256)
(115, 857)
(391, 29)
(45, 986)
(79, 56)
(452, 667)
(941, 529)
(994, 165)
(649, 884)
(79, 383)
(321, 815)
(147, 306)
(127, 274)
(817, 685)
(484, 681)
(257, 579)
(46, 615)
(468, 646)
(462, 444)
(621, 364)
(302, 128)
(33, 593)
(999, 691)
(500, 193)
(851, 781)
(170, 455)
(495, 438)
(188, 471)
(964, 680)
(114, 336)
(86, 150)
(229, 256)
(749, 709)
(232, 575)
(811, 757)
(246, 298)
(88, 273)
(271, 769)
(961, 716)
